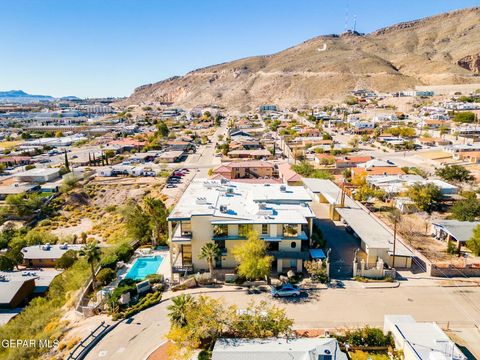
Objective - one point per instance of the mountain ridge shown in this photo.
(436, 50)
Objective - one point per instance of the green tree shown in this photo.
(474, 242)
(466, 210)
(162, 129)
(254, 263)
(137, 222)
(157, 212)
(177, 311)
(210, 252)
(6, 263)
(425, 196)
(464, 117)
(23, 205)
(67, 259)
(91, 252)
(66, 164)
(457, 173)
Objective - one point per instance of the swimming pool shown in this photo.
(144, 266)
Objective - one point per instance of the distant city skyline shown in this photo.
(94, 48)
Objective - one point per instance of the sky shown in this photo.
(97, 48)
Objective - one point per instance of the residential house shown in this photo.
(225, 212)
(250, 154)
(15, 293)
(278, 349)
(351, 161)
(253, 169)
(421, 340)
(171, 156)
(45, 255)
(454, 230)
(38, 175)
(288, 175)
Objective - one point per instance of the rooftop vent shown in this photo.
(201, 200)
(229, 190)
(64, 246)
(223, 181)
(283, 188)
(47, 246)
(262, 206)
(223, 208)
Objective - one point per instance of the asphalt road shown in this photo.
(424, 299)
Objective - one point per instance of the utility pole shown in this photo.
(395, 220)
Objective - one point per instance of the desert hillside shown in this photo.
(443, 49)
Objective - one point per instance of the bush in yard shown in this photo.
(154, 278)
(124, 252)
(368, 336)
(109, 261)
(317, 270)
(106, 276)
(67, 259)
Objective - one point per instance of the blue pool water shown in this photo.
(144, 266)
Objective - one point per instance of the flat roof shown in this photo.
(239, 202)
(276, 349)
(39, 172)
(8, 289)
(44, 252)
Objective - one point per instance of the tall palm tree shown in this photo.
(157, 212)
(178, 308)
(210, 252)
(91, 252)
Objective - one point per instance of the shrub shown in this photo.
(109, 261)
(106, 276)
(368, 336)
(154, 278)
(147, 301)
(124, 252)
(67, 259)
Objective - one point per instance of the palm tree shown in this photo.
(157, 212)
(91, 252)
(210, 252)
(178, 308)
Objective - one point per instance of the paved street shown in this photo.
(424, 299)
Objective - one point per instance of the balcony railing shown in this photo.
(301, 236)
(178, 237)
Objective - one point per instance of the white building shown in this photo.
(421, 341)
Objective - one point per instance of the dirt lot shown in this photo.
(416, 231)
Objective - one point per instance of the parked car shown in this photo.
(169, 186)
(285, 290)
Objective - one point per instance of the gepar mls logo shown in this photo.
(29, 343)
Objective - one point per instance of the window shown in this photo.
(293, 263)
(186, 227)
(290, 230)
(220, 230)
(264, 229)
(244, 229)
(293, 245)
(186, 255)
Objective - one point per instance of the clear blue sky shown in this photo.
(108, 47)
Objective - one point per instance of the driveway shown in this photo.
(341, 243)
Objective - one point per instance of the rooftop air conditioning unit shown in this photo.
(223, 208)
(201, 200)
(283, 188)
(262, 206)
(229, 190)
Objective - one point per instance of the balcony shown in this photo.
(301, 236)
(180, 238)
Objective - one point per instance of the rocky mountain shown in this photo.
(442, 49)
(21, 97)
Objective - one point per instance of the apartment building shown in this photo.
(224, 212)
